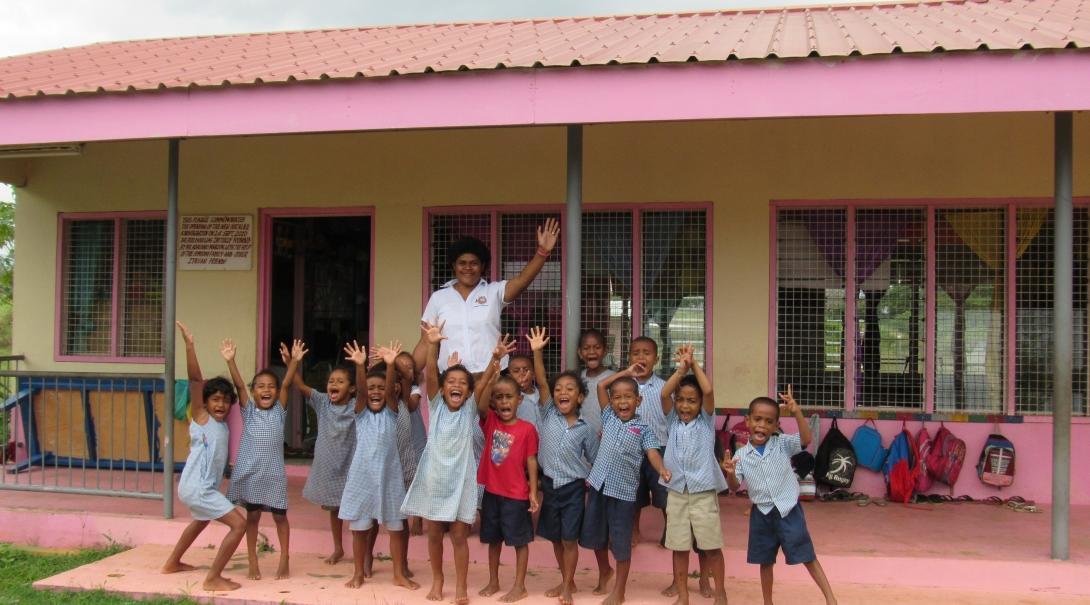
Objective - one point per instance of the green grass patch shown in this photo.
(21, 567)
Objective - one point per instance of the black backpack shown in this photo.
(835, 461)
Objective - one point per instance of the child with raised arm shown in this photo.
(521, 369)
(775, 520)
(198, 487)
(643, 356)
(569, 445)
(607, 522)
(444, 490)
(375, 487)
(508, 472)
(692, 504)
(335, 410)
(258, 480)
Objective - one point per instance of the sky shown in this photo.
(34, 25)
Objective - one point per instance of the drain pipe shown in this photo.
(169, 313)
(1063, 322)
(573, 247)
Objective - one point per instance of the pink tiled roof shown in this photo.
(830, 31)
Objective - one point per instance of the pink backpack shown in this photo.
(923, 445)
(946, 457)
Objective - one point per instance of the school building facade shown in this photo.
(870, 220)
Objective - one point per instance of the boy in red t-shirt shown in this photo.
(508, 472)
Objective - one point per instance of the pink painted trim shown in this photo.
(264, 265)
(930, 306)
(938, 202)
(938, 83)
(851, 325)
(773, 299)
(1009, 344)
(63, 218)
(637, 276)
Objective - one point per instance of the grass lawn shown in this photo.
(22, 567)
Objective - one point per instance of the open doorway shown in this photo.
(316, 285)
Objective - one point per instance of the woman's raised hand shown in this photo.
(548, 234)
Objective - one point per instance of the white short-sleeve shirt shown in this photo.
(472, 324)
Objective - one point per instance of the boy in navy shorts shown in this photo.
(776, 520)
(611, 501)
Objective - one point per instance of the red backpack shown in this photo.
(946, 457)
(902, 467)
(923, 446)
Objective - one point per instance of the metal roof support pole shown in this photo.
(169, 313)
(1063, 321)
(573, 247)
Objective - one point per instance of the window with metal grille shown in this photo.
(1035, 256)
(648, 263)
(810, 304)
(111, 288)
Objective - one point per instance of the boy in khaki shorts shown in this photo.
(692, 503)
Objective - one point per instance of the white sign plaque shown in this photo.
(216, 242)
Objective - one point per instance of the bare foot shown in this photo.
(517, 593)
(613, 599)
(178, 567)
(436, 593)
(368, 566)
(603, 582)
(355, 582)
(681, 600)
(335, 557)
(462, 599)
(558, 590)
(670, 591)
(706, 589)
(404, 582)
(283, 572)
(565, 597)
(220, 584)
(255, 571)
(721, 599)
(489, 590)
(405, 571)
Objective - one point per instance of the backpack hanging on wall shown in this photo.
(996, 465)
(867, 443)
(946, 457)
(804, 462)
(923, 448)
(901, 467)
(739, 434)
(835, 462)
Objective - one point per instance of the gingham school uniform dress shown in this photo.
(375, 488)
(690, 456)
(445, 486)
(616, 471)
(258, 476)
(198, 487)
(769, 478)
(409, 445)
(332, 451)
(592, 409)
(530, 409)
(650, 409)
(566, 452)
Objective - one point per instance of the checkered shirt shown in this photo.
(616, 471)
(769, 478)
(651, 406)
(258, 476)
(592, 409)
(690, 456)
(567, 452)
(529, 409)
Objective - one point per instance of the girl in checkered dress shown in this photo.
(333, 449)
(258, 481)
(375, 487)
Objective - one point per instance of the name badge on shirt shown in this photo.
(481, 300)
(635, 430)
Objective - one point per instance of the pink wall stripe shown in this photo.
(895, 85)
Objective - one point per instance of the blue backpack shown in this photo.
(867, 443)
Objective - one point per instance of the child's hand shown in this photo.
(790, 405)
(228, 349)
(433, 333)
(504, 346)
(285, 354)
(537, 338)
(374, 356)
(355, 353)
(187, 336)
(666, 475)
(633, 370)
(454, 359)
(389, 354)
(683, 361)
(534, 504)
(548, 234)
(298, 350)
(685, 354)
(729, 465)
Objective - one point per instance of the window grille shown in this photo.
(96, 253)
(890, 307)
(970, 281)
(672, 282)
(88, 287)
(607, 303)
(1035, 256)
(810, 258)
(542, 303)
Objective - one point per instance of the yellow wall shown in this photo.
(739, 166)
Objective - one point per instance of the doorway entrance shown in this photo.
(316, 285)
